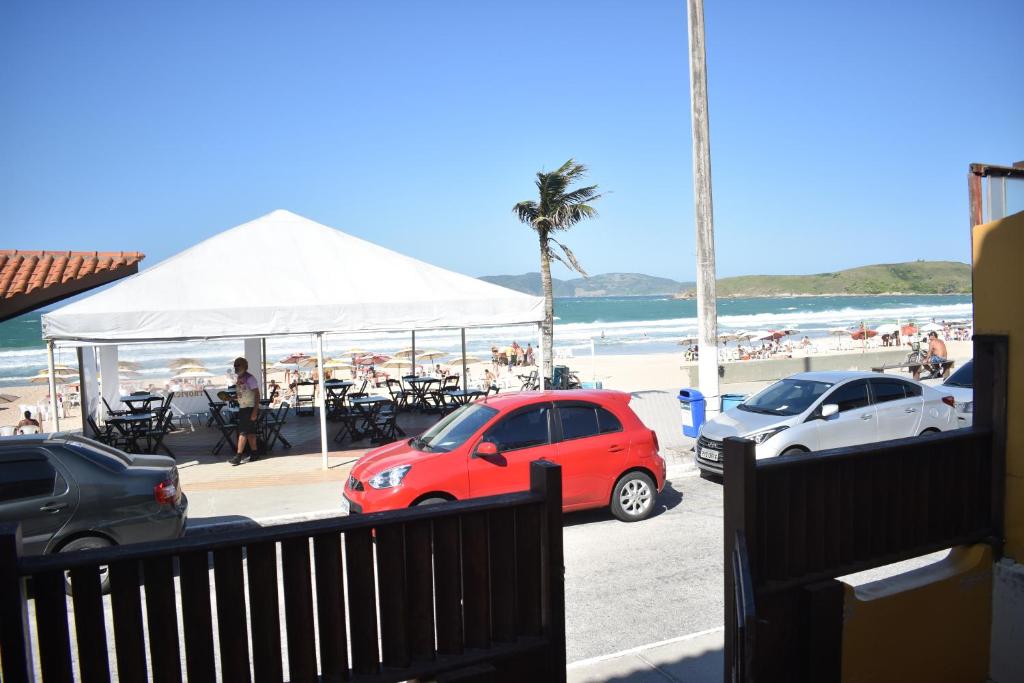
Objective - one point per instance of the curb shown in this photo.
(248, 523)
(582, 663)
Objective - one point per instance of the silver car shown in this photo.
(960, 385)
(814, 411)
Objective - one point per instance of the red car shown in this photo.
(608, 457)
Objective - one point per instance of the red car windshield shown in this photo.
(453, 430)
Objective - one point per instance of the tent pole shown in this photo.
(540, 357)
(593, 363)
(263, 356)
(465, 384)
(320, 399)
(412, 358)
(53, 386)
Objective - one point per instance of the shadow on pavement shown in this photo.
(667, 499)
(683, 663)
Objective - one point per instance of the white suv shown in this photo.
(813, 411)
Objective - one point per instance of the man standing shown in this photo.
(248, 396)
(936, 353)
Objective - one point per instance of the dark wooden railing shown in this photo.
(387, 596)
(794, 524)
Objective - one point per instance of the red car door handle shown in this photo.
(616, 449)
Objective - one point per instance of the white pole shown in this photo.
(320, 399)
(593, 363)
(707, 309)
(53, 387)
(412, 358)
(540, 357)
(465, 385)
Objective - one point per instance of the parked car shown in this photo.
(813, 411)
(608, 457)
(72, 493)
(960, 385)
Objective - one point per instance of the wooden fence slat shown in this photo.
(196, 616)
(546, 481)
(475, 603)
(52, 627)
(264, 612)
(394, 625)
(90, 629)
(126, 606)
(298, 610)
(528, 604)
(162, 619)
(231, 622)
(502, 525)
(330, 605)
(420, 596)
(797, 527)
(448, 586)
(362, 598)
(15, 637)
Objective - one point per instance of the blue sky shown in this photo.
(840, 132)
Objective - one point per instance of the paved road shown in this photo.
(633, 584)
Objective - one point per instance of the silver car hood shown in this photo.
(736, 422)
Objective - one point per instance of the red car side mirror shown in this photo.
(486, 449)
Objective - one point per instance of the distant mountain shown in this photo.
(916, 277)
(609, 284)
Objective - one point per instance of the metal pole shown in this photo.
(593, 363)
(707, 314)
(263, 354)
(540, 356)
(53, 386)
(412, 358)
(465, 384)
(320, 400)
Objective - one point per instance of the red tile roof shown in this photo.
(32, 279)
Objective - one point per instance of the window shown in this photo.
(785, 397)
(578, 421)
(888, 390)
(850, 396)
(26, 478)
(452, 431)
(913, 390)
(524, 429)
(608, 422)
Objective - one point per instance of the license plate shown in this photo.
(345, 507)
(710, 454)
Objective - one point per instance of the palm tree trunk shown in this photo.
(548, 326)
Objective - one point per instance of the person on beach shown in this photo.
(936, 350)
(529, 354)
(248, 393)
(27, 421)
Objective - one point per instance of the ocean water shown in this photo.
(649, 324)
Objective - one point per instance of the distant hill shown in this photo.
(916, 277)
(609, 284)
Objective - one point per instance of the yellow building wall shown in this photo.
(998, 263)
(931, 624)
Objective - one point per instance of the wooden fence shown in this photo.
(398, 595)
(793, 524)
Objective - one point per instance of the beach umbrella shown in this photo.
(863, 333)
(431, 355)
(931, 327)
(355, 351)
(790, 331)
(887, 328)
(373, 359)
(292, 359)
(8, 398)
(686, 341)
(44, 378)
(338, 364)
(181, 362)
(396, 364)
(308, 362)
(838, 331)
(727, 337)
(404, 353)
(758, 335)
(458, 361)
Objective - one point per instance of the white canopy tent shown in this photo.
(283, 274)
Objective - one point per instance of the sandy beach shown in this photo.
(635, 372)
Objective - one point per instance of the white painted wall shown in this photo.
(110, 377)
(253, 353)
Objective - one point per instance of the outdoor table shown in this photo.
(132, 427)
(368, 407)
(143, 401)
(464, 396)
(420, 388)
(334, 395)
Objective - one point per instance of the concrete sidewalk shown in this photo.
(694, 658)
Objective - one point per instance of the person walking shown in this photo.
(529, 354)
(248, 397)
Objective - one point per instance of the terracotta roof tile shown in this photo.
(30, 279)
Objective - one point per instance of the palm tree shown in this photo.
(558, 209)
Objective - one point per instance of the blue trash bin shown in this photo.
(691, 403)
(732, 400)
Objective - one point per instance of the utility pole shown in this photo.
(707, 305)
